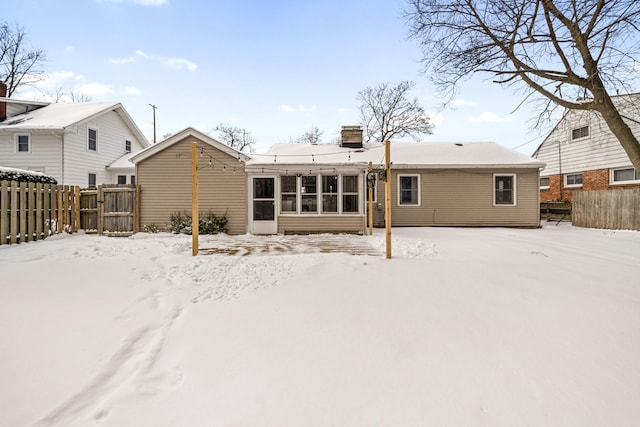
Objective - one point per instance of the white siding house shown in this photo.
(74, 142)
(582, 153)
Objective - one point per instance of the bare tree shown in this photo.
(236, 137)
(61, 95)
(387, 112)
(18, 62)
(312, 136)
(569, 53)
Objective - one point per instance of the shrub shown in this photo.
(151, 228)
(209, 223)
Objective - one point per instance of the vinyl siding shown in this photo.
(46, 151)
(462, 198)
(80, 161)
(321, 224)
(165, 182)
(45, 155)
(600, 150)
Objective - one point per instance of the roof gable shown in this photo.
(173, 139)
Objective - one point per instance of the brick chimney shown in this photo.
(351, 136)
(3, 105)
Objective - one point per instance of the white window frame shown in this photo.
(580, 128)
(545, 187)
(515, 188)
(295, 193)
(337, 193)
(95, 176)
(28, 143)
(343, 193)
(399, 190)
(612, 176)
(127, 145)
(566, 177)
(89, 129)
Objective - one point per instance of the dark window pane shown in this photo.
(330, 184)
(350, 184)
(288, 203)
(263, 188)
(309, 185)
(288, 184)
(309, 204)
(122, 179)
(350, 203)
(624, 175)
(329, 203)
(23, 143)
(504, 190)
(263, 210)
(408, 190)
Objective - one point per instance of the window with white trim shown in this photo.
(23, 143)
(329, 193)
(92, 180)
(288, 194)
(127, 146)
(544, 182)
(573, 180)
(504, 189)
(122, 179)
(309, 193)
(581, 132)
(624, 175)
(409, 190)
(350, 194)
(92, 140)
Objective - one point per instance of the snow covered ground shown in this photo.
(463, 327)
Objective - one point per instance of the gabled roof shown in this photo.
(173, 139)
(430, 155)
(123, 162)
(62, 117)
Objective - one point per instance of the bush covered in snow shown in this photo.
(21, 175)
(210, 223)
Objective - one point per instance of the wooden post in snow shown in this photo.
(195, 217)
(370, 190)
(387, 194)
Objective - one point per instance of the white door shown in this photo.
(263, 205)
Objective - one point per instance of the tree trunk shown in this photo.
(620, 130)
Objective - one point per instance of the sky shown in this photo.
(275, 68)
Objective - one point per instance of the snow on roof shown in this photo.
(403, 155)
(20, 171)
(56, 116)
(123, 162)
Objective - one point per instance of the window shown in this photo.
(409, 190)
(309, 191)
(22, 144)
(288, 196)
(350, 194)
(544, 182)
(581, 132)
(624, 175)
(133, 179)
(122, 179)
(573, 180)
(127, 146)
(93, 140)
(92, 180)
(330, 193)
(504, 190)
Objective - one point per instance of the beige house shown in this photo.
(306, 188)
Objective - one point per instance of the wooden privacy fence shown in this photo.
(608, 209)
(111, 209)
(33, 211)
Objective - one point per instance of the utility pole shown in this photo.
(154, 121)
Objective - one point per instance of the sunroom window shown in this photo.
(330, 193)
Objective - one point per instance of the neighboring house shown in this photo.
(83, 144)
(582, 153)
(306, 188)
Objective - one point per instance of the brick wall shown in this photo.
(591, 180)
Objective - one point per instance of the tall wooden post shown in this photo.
(370, 189)
(387, 195)
(195, 217)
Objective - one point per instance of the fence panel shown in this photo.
(110, 209)
(607, 209)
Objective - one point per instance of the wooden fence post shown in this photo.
(39, 212)
(31, 213)
(76, 210)
(100, 206)
(13, 213)
(60, 212)
(23, 212)
(4, 214)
